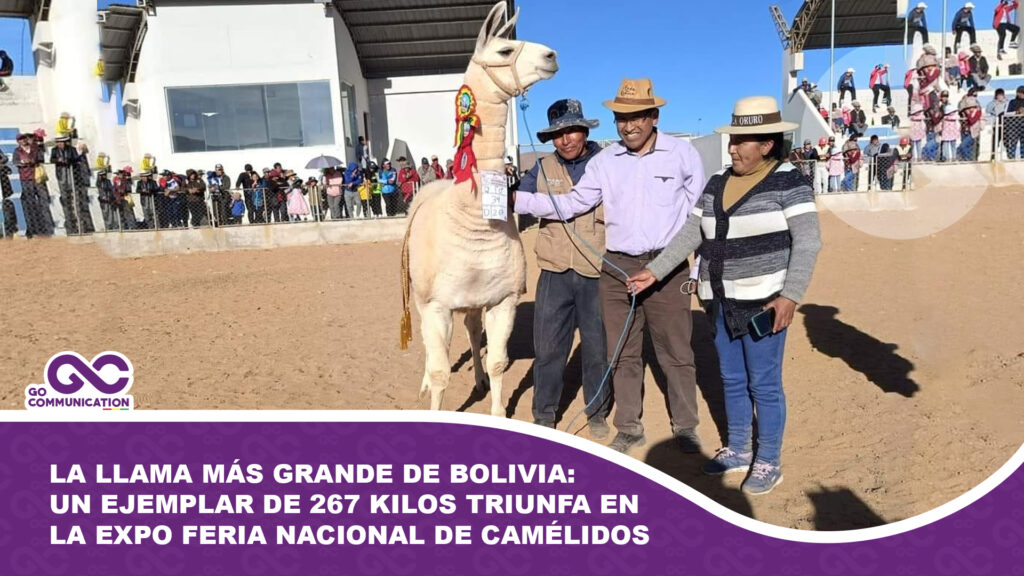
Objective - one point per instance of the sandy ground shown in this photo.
(904, 370)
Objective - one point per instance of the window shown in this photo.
(213, 118)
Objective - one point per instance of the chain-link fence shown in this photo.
(1008, 137)
(882, 173)
(47, 199)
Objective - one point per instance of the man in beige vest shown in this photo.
(568, 289)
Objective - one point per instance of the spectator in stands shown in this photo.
(979, 76)
(366, 193)
(950, 132)
(928, 73)
(219, 185)
(244, 182)
(804, 159)
(1013, 125)
(149, 164)
(277, 204)
(362, 152)
(971, 119)
(172, 203)
(963, 21)
(65, 162)
(350, 182)
(449, 172)
(952, 67)
(6, 70)
(879, 84)
(568, 289)
(425, 172)
(821, 166)
(846, 84)
(237, 207)
(147, 190)
(123, 199)
(260, 194)
(298, 207)
(66, 126)
(108, 204)
(511, 175)
(195, 199)
(838, 121)
(891, 119)
(315, 197)
(917, 23)
(904, 157)
(995, 110)
(83, 177)
(35, 199)
(885, 162)
(388, 178)
(1003, 22)
(102, 162)
(811, 90)
(334, 185)
(438, 170)
(853, 160)
(8, 216)
(909, 84)
(408, 180)
(376, 202)
(871, 152)
(858, 120)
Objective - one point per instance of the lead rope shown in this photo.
(519, 90)
(523, 105)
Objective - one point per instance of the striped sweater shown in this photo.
(765, 245)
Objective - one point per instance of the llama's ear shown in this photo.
(507, 28)
(491, 24)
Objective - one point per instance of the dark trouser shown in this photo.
(958, 33)
(391, 202)
(197, 212)
(912, 30)
(36, 206)
(375, 204)
(10, 218)
(882, 89)
(842, 91)
(665, 310)
(1014, 31)
(565, 301)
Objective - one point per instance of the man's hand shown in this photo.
(640, 281)
(784, 309)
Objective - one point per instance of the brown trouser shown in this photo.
(665, 310)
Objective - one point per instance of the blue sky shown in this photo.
(701, 55)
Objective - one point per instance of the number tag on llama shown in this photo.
(494, 195)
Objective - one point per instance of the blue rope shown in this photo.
(523, 105)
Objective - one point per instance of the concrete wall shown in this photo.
(714, 152)
(797, 107)
(251, 237)
(19, 106)
(420, 111)
(239, 44)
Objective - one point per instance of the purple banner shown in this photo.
(406, 498)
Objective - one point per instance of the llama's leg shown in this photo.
(436, 327)
(499, 327)
(475, 330)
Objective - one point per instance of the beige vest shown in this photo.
(558, 249)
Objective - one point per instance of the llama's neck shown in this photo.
(492, 108)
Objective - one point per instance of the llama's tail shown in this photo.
(405, 335)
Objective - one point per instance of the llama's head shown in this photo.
(512, 65)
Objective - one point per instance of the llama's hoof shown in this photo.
(424, 391)
(482, 386)
(499, 412)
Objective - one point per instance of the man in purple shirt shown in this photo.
(648, 183)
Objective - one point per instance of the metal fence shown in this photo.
(882, 174)
(48, 207)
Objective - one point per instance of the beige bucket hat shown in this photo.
(757, 115)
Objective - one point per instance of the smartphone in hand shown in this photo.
(764, 322)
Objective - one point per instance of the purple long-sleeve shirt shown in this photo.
(646, 198)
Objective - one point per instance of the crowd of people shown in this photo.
(832, 168)
(198, 198)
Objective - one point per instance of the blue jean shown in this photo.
(565, 301)
(751, 370)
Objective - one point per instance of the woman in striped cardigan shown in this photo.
(756, 230)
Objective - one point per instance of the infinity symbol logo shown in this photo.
(83, 371)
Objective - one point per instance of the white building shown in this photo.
(201, 82)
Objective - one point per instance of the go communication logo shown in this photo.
(74, 383)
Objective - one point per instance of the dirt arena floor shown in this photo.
(904, 370)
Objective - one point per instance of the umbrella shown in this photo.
(322, 161)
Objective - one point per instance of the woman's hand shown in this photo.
(784, 309)
(640, 281)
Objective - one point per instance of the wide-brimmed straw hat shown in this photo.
(757, 115)
(634, 96)
(565, 114)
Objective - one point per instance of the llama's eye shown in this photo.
(506, 52)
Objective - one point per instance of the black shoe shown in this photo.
(599, 429)
(625, 442)
(688, 440)
(544, 424)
